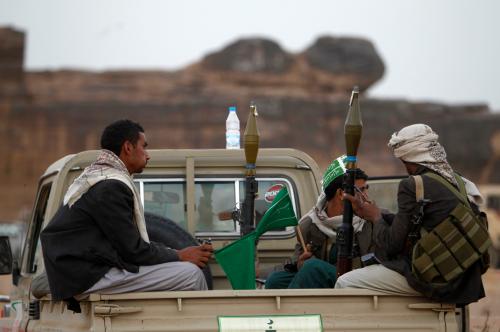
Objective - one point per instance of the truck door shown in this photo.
(31, 259)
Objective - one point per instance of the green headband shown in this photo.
(336, 169)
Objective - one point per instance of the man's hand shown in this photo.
(367, 210)
(302, 258)
(198, 255)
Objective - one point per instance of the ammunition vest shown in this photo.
(449, 249)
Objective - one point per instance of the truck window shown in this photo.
(385, 193)
(32, 240)
(493, 202)
(268, 189)
(215, 199)
(166, 199)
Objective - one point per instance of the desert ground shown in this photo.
(485, 315)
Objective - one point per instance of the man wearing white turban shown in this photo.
(418, 148)
(418, 144)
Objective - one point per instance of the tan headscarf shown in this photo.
(419, 144)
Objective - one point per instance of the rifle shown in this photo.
(352, 130)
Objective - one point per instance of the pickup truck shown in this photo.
(491, 206)
(196, 188)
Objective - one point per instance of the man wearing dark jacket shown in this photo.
(97, 240)
(418, 148)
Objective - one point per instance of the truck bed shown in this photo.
(338, 309)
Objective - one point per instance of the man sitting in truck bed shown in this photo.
(424, 158)
(97, 241)
(316, 268)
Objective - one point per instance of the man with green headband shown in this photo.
(315, 268)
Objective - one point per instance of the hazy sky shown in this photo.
(434, 50)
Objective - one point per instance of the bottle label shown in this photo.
(232, 139)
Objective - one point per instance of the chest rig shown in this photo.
(449, 249)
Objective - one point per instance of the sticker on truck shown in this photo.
(272, 323)
(272, 191)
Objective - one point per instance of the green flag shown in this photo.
(238, 258)
(238, 261)
(280, 214)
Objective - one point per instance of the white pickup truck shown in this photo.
(194, 188)
(491, 205)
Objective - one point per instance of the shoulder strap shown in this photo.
(461, 187)
(419, 188)
(461, 195)
(416, 225)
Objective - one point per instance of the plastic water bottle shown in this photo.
(232, 129)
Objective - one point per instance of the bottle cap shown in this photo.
(232, 108)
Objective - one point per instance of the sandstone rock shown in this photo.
(11, 51)
(67, 111)
(249, 56)
(346, 56)
(11, 63)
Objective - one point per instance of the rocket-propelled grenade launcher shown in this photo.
(251, 149)
(352, 130)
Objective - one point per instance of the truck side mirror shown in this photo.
(5, 255)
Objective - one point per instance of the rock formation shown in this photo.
(302, 101)
(11, 63)
(250, 56)
(346, 57)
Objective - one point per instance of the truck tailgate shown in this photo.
(338, 310)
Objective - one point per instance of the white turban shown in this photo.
(419, 144)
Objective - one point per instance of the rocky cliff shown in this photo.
(302, 101)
